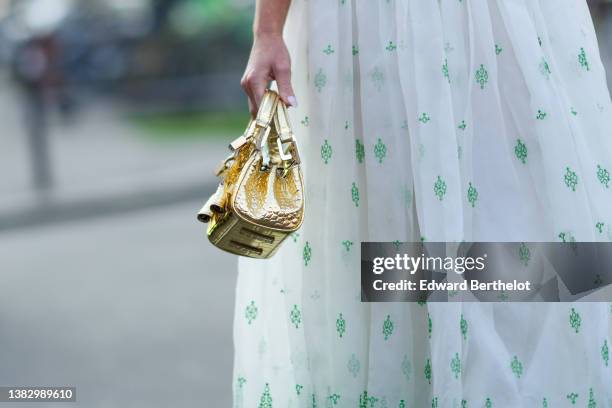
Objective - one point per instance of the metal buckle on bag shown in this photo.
(290, 152)
(284, 154)
(287, 150)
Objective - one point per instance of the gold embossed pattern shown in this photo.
(282, 205)
(234, 171)
(286, 191)
(256, 188)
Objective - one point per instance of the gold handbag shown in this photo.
(260, 199)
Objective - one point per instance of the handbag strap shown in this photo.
(259, 127)
(281, 122)
(263, 121)
(267, 109)
(285, 135)
(272, 110)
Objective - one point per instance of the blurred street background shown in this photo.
(113, 114)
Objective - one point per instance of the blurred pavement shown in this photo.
(134, 310)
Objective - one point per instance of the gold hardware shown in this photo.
(238, 143)
(281, 150)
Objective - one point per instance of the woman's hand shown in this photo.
(269, 60)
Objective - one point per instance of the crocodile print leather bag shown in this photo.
(260, 199)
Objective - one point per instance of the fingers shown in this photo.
(254, 86)
(245, 84)
(282, 74)
(252, 108)
(258, 89)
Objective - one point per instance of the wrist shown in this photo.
(267, 34)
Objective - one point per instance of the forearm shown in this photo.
(269, 59)
(270, 17)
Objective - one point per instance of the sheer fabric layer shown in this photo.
(440, 120)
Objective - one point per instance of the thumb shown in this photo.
(282, 75)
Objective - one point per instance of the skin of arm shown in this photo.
(269, 59)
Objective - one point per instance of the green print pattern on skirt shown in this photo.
(449, 120)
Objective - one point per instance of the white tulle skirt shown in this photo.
(439, 120)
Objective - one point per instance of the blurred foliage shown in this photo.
(194, 37)
(191, 125)
(212, 15)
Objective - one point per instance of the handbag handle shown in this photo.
(259, 127)
(267, 108)
(272, 110)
